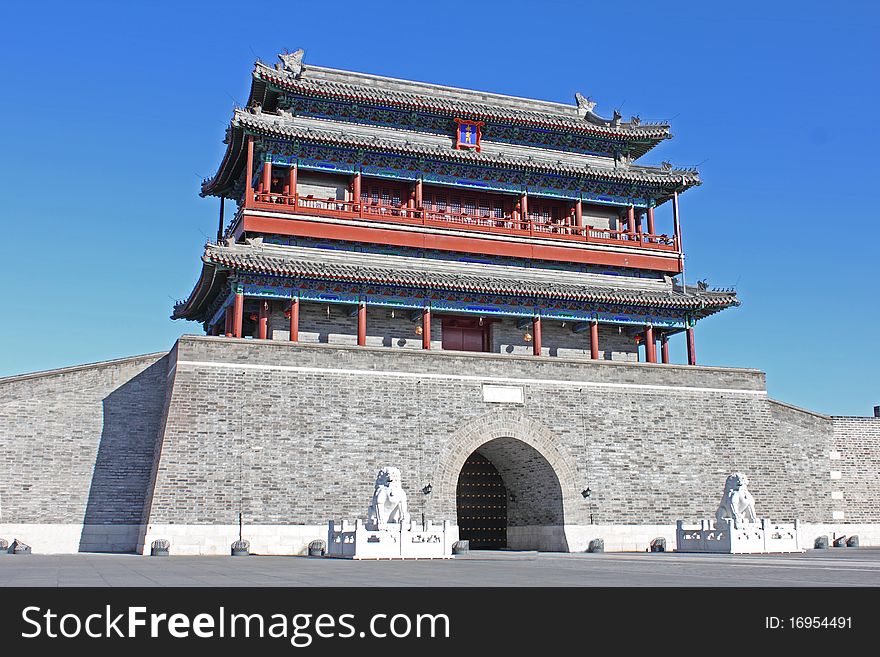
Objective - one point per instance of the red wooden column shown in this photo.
(294, 320)
(291, 180)
(426, 328)
(524, 208)
(362, 324)
(419, 190)
(356, 189)
(238, 315)
(650, 345)
(579, 213)
(263, 320)
(536, 338)
(664, 348)
(594, 340)
(692, 354)
(631, 219)
(228, 321)
(266, 180)
(651, 220)
(249, 173)
(638, 218)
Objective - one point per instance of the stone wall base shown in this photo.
(217, 539)
(637, 538)
(576, 538)
(72, 538)
(295, 539)
(869, 534)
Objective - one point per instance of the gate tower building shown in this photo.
(376, 211)
(475, 288)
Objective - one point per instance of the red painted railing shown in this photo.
(507, 224)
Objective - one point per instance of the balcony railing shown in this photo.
(508, 224)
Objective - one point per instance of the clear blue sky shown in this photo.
(113, 113)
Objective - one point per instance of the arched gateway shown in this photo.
(508, 484)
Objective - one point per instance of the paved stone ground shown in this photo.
(836, 567)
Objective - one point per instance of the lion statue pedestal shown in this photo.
(737, 528)
(388, 532)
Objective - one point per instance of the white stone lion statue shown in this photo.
(389, 500)
(737, 502)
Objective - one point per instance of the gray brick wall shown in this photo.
(807, 435)
(78, 444)
(650, 454)
(294, 434)
(857, 443)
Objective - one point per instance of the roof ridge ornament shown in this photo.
(585, 105)
(292, 62)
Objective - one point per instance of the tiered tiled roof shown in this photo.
(257, 257)
(417, 143)
(360, 87)
(504, 156)
(265, 116)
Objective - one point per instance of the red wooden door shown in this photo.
(459, 335)
(472, 339)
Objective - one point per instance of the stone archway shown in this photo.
(538, 475)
